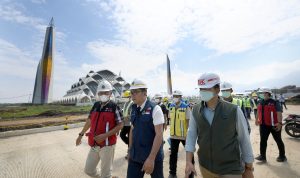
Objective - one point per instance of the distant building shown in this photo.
(84, 90)
(43, 81)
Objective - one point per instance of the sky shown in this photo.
(249, 43)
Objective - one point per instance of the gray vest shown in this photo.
(218, 144)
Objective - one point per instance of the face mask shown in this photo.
(206, 95)
(104, 98)
(226, 94)
(176, 100)
(157, 100)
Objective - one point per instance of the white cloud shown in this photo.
(226, 26)
(253, 76)
(38, 1)
(149, 29)
(19, 64)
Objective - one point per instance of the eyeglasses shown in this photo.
(134, 92)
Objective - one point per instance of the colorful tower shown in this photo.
(169, 78)
(42, 93)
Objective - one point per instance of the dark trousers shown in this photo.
(174, 154)
(248, 112)
(264, 135)
(134, 170)
(255, 113)
(125, 134)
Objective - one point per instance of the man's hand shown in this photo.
(100, 138)
(148, 166)
(256, 122)
(278, 127)
(189, 168)
(248, 174)
(78, 140)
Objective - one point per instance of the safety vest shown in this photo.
(237, 102)
(143, 134)
(247, 103)
(102, 121)
(126, 108)
(178, 125)
(267, 113)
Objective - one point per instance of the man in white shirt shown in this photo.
(146, 135)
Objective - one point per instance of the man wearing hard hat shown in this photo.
(158, 100)
(104, 122)
(269, 119)
(146, 135)
(124, 134)
(226, 90)
(179, 120)
(254, 103)
(220, 129)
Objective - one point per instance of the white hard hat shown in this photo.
(226, 86)
(208, 80)
(137, 84)
(158, 95)
(104, 86)
(265, 90)
(177, 93)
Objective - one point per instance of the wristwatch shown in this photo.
(80, 134)
(249, 168)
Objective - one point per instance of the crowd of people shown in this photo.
(218, 124)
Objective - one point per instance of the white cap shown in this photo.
(158, 95)
(137, 84)
(208, 80)
(104, 85)
(265, 90)
(226, 86)
(177, 93)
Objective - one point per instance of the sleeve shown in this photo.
(244, 137)
(158, 116)
(118, 115)
(191, 137)
(188, 113)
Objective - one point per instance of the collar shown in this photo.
(143, 105)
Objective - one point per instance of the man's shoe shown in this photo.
(281, 159)
(261, 158)
(172, 176)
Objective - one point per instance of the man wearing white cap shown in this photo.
(220, 129)
(226, 90)
(104, 122)
(269, 119)
(146, 135)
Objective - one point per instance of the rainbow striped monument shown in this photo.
(42, 93)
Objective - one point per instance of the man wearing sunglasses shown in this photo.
(146, 135)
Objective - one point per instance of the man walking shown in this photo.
(104, 121)
(220, 129)
(146, 135)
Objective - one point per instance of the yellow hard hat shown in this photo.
(126, 94)
(165, 99)
(254, 94)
